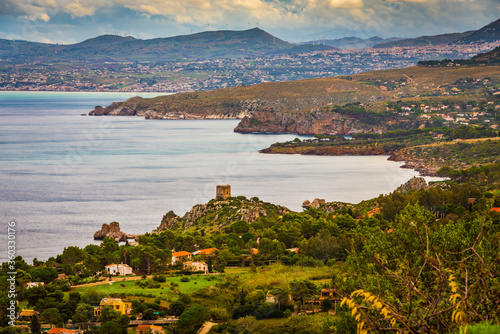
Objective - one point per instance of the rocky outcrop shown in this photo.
(111, 230)
(416, 183)
(221, 213)
(413, 161)
(304, 123)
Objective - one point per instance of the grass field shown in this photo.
(166, 291)
(279, 274)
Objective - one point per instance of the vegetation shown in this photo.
(427, 259)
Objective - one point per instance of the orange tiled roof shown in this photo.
(60, 331)
(158, 328)
(207, 251)
(181, 253)
(495, 209)
(143, 327)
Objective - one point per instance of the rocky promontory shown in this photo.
(112, 230)
(294, 107)
(220, 213)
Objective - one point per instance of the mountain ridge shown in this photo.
(486, 34)
(113, 48)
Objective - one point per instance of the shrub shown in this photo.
(483, 328)
(184, 279)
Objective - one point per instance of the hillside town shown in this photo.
(196, 75)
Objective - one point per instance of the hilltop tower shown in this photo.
(223, 192)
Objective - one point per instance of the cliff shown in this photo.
(305, 123)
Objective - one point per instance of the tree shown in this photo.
(281, 295)
(72, 255)
(108, 314)
(34, 294)
(51, 316)
(176, 308)
(149, 314)
(84, 313)
(45, 275)
(302, 290)
(35, 326)
(192, 318)
(110, 327)
(427, 275)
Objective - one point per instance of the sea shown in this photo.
(62, 175)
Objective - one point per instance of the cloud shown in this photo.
(346, 4)
(76, 9)
(290, 18)
(30, 10)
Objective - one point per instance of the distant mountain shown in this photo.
(427, 40)
(491, 58)
(111, 48)
(354, 42)
(488, 33)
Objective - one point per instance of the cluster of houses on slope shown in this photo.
(177, 258)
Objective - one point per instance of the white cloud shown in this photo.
(346, 4)
(368, 17)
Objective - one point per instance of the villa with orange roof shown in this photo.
(181, 256)
(56, 330)
(150, 328)
(206, 252)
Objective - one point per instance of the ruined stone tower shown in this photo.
(223, 192)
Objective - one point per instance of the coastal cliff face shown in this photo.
(304, 123)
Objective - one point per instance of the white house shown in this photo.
(195, 266)
(118, 269)
(32, 284)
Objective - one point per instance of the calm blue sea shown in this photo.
(63, 175)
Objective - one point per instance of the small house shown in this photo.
(118, 269)
(195, 266)
(116, 304)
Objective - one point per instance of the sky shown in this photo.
(72, 21)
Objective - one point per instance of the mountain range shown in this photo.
(354, 42)
(112, 48)
(487, 34)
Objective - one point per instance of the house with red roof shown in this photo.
(206, 252)
(181, 256)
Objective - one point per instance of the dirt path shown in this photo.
(206, 327)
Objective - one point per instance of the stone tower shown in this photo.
(223, 192)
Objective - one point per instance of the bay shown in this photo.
(63, 175)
